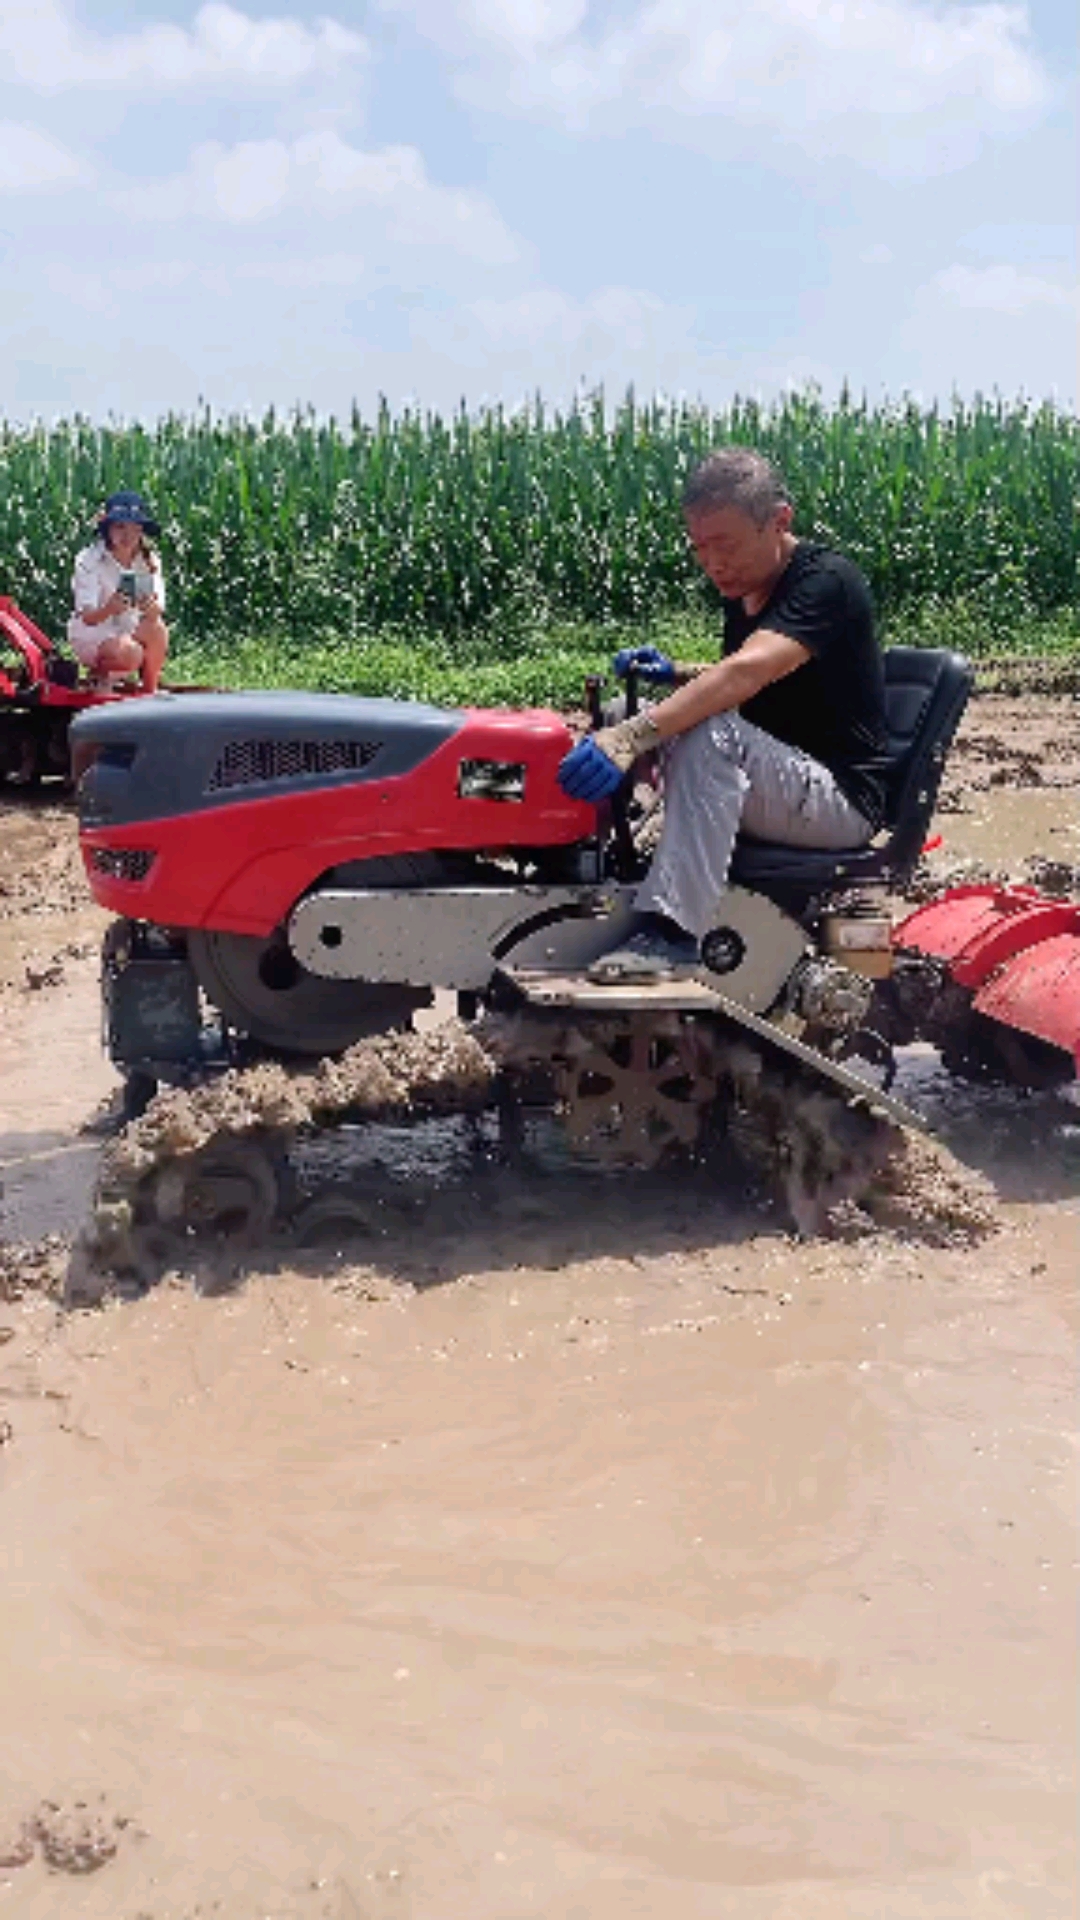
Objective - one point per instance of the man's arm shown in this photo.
(595, 767)
(763, 658)
(687, 670)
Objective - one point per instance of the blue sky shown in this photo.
(446, 199)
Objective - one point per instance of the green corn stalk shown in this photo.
(482, 533)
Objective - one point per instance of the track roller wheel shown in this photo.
(633, 1092)
(228, 1194)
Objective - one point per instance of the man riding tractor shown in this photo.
(782, 740)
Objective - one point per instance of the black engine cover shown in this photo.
(178, 753)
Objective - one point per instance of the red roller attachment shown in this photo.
(1017, 952)
(1038, 991)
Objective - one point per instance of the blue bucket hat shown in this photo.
(130, 509)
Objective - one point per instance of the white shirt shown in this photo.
(97, 577)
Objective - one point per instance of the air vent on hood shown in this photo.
(251, 763)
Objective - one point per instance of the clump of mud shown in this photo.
(842, 1166)
(1058, 879)
(1055, 877)
(921, 1191)
(34, 1267)
(50, 969)
(1008, 741)
(933, 877)
(74, 1838)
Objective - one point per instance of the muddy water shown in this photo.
(573, 1550)
(1003, 829)
(53, 1075)
(697, 1574)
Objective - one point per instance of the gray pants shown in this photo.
(726, 777)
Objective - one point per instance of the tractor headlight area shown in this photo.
(123, 863)
(491, 780)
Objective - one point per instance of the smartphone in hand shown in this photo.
(136, 583)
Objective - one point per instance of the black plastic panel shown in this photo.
(181, 753)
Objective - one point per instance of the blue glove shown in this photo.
(588, 774)
(647, 662)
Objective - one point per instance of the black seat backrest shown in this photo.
(926, 691)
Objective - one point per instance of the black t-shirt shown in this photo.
(833, 706)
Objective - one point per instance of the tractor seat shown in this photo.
(926, 691)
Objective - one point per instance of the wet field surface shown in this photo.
(565, 1547)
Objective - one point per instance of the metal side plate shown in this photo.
(424, 936)
(696, 994)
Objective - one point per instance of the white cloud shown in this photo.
(879, 255)
(29, 159)
(342, 270)
(998, 326)
(1004, 288)
(42, 46)
(903, 85)
(197, 279)
(545, 315)
(524, 25)
(563, 345)
(560, 343)
(320, 174)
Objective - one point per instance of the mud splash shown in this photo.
(206, 1173)
(215, 1146)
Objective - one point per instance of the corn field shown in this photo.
(492, 527)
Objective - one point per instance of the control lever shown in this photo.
(625, 854)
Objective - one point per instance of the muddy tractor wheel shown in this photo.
(224, 1198)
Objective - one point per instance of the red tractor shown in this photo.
(41, 693)
(309, 869)
(293, 874)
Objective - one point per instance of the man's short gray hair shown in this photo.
(735, 477)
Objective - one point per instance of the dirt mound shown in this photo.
(922, 1192)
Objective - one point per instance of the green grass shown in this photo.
(421, 553)
(552, 666)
